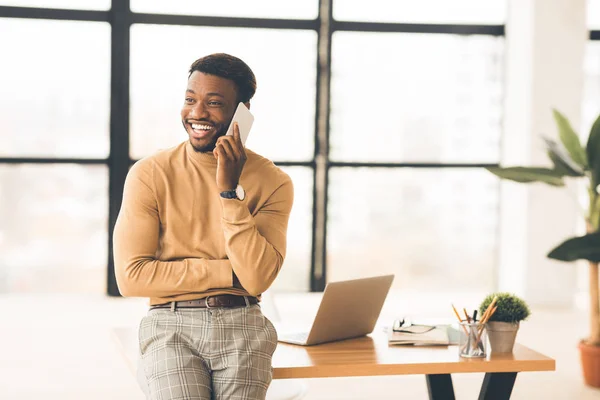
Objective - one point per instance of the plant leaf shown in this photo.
(593, 152)
(570, 140)
(561, 160)
(578, 248)
(529, 174)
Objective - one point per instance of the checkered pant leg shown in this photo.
(173, 368)
(243, 342)
(207, 354)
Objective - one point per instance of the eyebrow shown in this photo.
(208, 94)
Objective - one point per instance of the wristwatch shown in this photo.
(237, 193)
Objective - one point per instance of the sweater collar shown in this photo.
(204, 158)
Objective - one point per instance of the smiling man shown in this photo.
(202, 233)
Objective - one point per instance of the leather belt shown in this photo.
(222, 300)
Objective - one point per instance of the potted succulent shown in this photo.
(573, 161)
(503, 325)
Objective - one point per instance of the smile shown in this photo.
(201, 130)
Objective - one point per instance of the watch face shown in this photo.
(240, 192)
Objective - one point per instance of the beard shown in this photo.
(221, 130)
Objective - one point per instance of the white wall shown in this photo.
(544, 70)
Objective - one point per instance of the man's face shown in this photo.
(208, 109)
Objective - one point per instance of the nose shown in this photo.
(199, 111)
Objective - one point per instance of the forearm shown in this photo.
(254, 260)
(140, 274)
(146, 277)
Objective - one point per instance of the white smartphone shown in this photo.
(244, 119)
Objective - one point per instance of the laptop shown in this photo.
(348, 309)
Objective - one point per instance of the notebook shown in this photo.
(420, 335)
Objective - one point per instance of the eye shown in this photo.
(189, 100)
(214, 103)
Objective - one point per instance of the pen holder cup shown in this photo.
(473, 340)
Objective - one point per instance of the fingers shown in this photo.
(236, 132)
(231, 148)
(226, 150)
(219, 153)
(237, 138)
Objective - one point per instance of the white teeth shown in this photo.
(201, 127)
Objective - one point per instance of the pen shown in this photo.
(459, 320)
(488, 309)
(467, 315)
(484, 321)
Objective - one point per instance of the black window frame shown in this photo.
(120, 17)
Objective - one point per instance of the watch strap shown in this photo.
(229, 194)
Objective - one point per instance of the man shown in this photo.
(202, 233)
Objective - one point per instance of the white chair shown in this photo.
(281, 389)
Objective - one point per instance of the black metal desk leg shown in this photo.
(440, 387)
(497, 386)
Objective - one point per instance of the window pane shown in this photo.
(74, 4)
(435, 229)
(305, 9)
(53, 236)
(591, 87)
(284, 104)
(434, 98)
(55, 81)
(295, 273)
(424, 11)
(593, 14)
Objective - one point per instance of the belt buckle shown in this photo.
(206, 301)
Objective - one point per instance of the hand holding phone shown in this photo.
(230, 153)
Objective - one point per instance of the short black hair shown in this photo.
(228, 67)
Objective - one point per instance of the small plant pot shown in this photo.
(502, 336)
(590, 363)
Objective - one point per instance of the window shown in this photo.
(593, 14)
(416, 111)
(389, 102)
(77, 4)
(305, 9)
(401, 97)
(432, 228)
(424, 11)
(284, 108)
(295, 272)
(55, 93)
(53, 235)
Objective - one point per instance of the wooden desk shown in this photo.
(371, 356)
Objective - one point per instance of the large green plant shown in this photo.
(572, 161)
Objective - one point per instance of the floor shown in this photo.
(61, 347)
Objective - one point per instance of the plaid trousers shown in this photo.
(217, 353)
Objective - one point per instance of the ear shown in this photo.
(247, 104)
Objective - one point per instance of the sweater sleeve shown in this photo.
(136, 241)
(256, 245)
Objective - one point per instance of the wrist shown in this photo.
(237, 193)
(228, 186)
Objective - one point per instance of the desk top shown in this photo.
(371, 355)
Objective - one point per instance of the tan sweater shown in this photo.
(177, 239)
